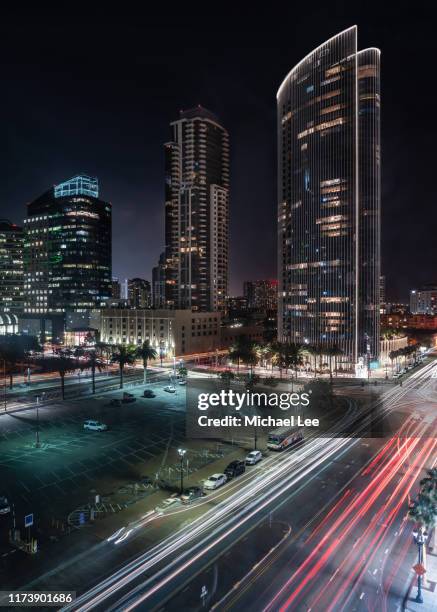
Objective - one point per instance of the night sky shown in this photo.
(94, 92)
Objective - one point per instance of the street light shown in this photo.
(37, 443)
(420, 538)
(4, 384)
(181, 452)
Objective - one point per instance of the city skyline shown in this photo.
(125, 148)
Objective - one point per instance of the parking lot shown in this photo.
(72, 465)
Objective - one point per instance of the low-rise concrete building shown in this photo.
(170, 332)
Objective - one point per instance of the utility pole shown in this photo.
(420, 538)
(37, 443)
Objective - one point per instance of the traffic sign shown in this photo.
(419, 569)
(28, 520)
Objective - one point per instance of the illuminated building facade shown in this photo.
(67, 251)
(139, 293)
(197, 212)
(329, 199)
(11, 267)
(261, 294)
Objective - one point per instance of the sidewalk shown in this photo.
(429, 585)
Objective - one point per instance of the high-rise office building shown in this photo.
(424, 300)
(329, 199)
(139, 293)
(115, 289)
(67, 252)
(11, 267)
(158, 283)
(197, 212)
(261, 294)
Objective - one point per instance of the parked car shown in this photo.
(191, 494)
(128, 398)
(171, 503)
(215, 481)
(170, 389)
(235, 468)
(182, 382)
(95, 426)
(253, 457)
(115, 402)
(5, 507)
(149, 393)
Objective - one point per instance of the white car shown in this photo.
(215, 481)
(170, 389)
(182, 382)
(171, 503)
(95, 426)
(5, 507)
(253, 457)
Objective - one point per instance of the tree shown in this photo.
(62, 365)
(227, 377)
(124, 354)
(14, 348)
(147, 353)
(92, 363)
(241, 350)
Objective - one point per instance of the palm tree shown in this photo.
(92, 363)
(64, 365)
(240, 350)
(124, 354)
(293, 358)
(336, 352)
(13, 350)
(315, 352)
(146, 352)
(423, 511)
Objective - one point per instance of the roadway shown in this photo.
(311, 527)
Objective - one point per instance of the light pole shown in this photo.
(181, 452)
(37, 443)
(4, 385)
(420, 538)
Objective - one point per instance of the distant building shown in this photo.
(261, 295)
(424, 300)
(67, 254)
(115, 288)
(171, 332)
(158, 283)
(138, 293)
(382, 289)
(236, 303)
(11, 267)
(410, 321)
(197, 212)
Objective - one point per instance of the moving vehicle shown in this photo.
(5, 507)
(128, 398)
(215, 481)
(95, 426)
(149, 393)
(182, 382)
(253, 457)
(170, 389)
(171, 503)
(282, 437)
(191, 494)
(235, 468)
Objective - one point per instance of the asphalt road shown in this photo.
(340, 503)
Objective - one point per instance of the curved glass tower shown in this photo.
(329, 199)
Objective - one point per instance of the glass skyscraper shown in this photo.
(197, 212)
(67, 251)
(11, 267)
(329, 199)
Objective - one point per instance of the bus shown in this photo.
(281, 438)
